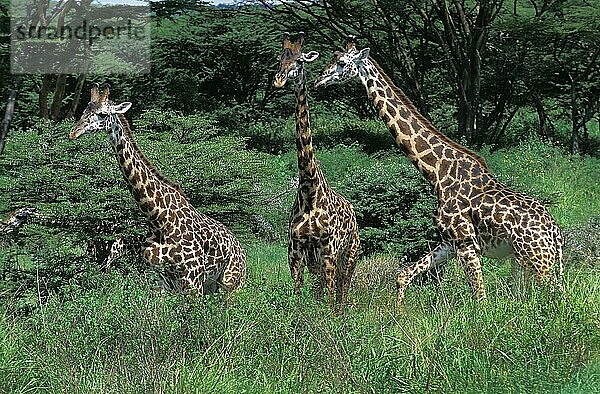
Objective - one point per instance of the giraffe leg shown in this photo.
(468, 256)
(539, 252)
(315, 268)
(194, 282)
(156, 253)
(234, 274)
(437, 256)
(117, 250)
(330, 265)
(540, 262)
(158, 257)
(349, 261)
(296, 256)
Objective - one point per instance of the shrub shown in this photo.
(394, 208)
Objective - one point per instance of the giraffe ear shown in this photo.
(310, 56)
(121, 108)
(363, 54)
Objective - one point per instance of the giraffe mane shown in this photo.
(143, 158)
(411, 107)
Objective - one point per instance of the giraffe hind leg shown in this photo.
(234, 274)
(439, 255)
(541, 265)
(468, 256)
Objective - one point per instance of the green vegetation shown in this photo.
(123, 337)
(69, 326)
(210, 120)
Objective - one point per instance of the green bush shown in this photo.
(394, 204)
(394, 207)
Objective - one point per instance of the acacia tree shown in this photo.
(412, 38)
(559, 61)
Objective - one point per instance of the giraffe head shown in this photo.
(344, 66)
(99, 114)
(292, 59)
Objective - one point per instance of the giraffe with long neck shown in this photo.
(323, 233)
(195, 252)
(477, 215)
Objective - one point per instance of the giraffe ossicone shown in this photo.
(194, 252)
(323, 233)
(477, 215)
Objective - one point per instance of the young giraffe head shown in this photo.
(99, 114)
(344, 66)
(292, 59)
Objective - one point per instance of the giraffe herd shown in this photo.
(476, 216)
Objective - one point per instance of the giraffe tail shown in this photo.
(560, 261)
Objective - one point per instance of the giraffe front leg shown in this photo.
(159, 257)
(468, 256)
(156, 253)
(437, 256)
(296, 262)
(330, 266)
(315, 268)
(349, 265)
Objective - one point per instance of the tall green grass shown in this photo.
(117, 334)
(124, 337)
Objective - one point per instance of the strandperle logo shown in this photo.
(79, 37)
(86, 31)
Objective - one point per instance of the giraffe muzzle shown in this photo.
(76, 133)
(280, 80)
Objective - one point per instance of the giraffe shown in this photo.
(323, 233)
(476, 215)
(196, 253)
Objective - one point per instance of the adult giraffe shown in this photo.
(323, 233)
(477, 215)
(196, 252)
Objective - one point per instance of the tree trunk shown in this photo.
(43, 96)
(10, 109)
(57, 99)
(77, 96)
(541, 112)
(574, 119)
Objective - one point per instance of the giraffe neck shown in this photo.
(308, 170)
(434, 154)
(152, 192)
